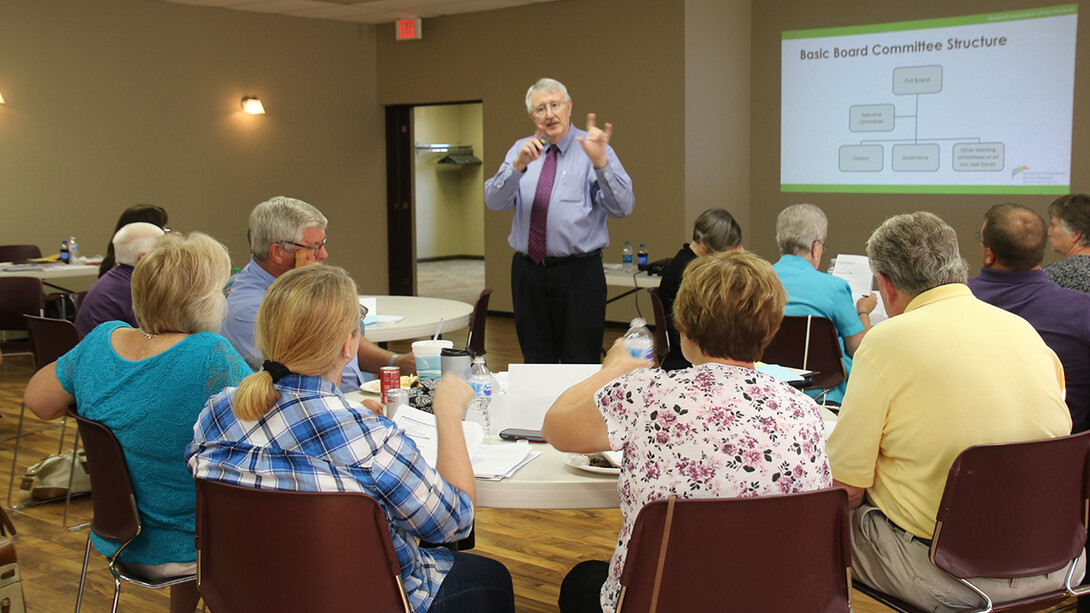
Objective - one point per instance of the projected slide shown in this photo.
(976, 104)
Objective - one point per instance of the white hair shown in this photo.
(916, 252)
(799, 226)
(545, 86)
(134, 239)
(280, 219)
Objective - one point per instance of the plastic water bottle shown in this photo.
(73, 251)
(641, 258)
(480, 379)
(639, 341)
(64, 252)
(626, 259)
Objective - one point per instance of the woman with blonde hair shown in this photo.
(147, 385)
(717, 430)
(290, 424)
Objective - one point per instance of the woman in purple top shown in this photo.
(717, 430)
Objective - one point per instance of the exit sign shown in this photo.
(408, 29)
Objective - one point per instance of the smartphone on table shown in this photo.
(519, 434)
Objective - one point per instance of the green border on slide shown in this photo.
(944, 22)
(1054, 190)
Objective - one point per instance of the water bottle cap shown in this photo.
(643, 245)
(637, 322)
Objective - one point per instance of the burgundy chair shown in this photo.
(1011, 510)
(662, 339)
(116, 515)
(779, 554)
(261, 550)
(19, 254)
(478, 323)
(19, 296)
(810, 343)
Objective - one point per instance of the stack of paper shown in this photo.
(492, 462)
(855, 269)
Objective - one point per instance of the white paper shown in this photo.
(547, 379)
(371, 303)
(489, 461)
(855, 269)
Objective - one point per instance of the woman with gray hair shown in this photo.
(714, 231)
(800, 235)
(147, 385)
(1069, 233)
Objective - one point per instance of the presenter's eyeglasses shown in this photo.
(543, 110)
(313, 249)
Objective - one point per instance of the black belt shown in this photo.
(563, 259)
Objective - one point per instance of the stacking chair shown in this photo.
(776, 554)
(77, 300)
(662, 339)
(18, 254)
(477, 325)
(19, 296)
(273, 550)
(116, 515)
(1011, 510)
(811, 343)
(49, 339)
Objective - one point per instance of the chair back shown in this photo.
(50, 339)
(115, 514)
(478, 323)
(1014, 509)
(19, 253)
(274, 550)
(741, 551)
(19, 296)
(811, 343)
(662, 339)
(77, 299)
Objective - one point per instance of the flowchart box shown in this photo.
(861, 158)
(871, 118)
(916, 158)
(917, 80)
(978, 157)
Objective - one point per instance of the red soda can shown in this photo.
(391, 379)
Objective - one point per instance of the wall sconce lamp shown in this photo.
(252, 105)
(2, 100)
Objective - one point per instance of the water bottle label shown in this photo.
(626, 258)
(481, 389)
(641, 349)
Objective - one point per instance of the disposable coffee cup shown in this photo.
(456, 361)
(428, 358)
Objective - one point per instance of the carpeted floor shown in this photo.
(454, 279)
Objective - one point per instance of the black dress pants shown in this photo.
(560, 308)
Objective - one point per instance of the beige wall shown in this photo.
(449, 217)
(116, 102)
(620, 59)
(852, 217)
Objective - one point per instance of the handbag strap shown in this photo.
(662, 552)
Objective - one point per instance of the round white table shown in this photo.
(421, 316)
(547, 482)
(51, 271)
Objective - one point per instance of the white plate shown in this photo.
(374, 386)
(582, 462)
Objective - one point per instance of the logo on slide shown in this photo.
(1019, 170)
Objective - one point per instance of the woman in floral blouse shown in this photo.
(717, 430)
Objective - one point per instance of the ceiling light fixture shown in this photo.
(252, 105)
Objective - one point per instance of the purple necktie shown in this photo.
(539, 213)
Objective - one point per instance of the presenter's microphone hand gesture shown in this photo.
(596, 141)
(531, 150)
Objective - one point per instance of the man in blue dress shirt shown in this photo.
(562, 192)
(286, 233)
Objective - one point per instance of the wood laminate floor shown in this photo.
(537, 546)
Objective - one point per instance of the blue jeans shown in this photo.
(477, 584)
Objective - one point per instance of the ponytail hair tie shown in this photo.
(276, 370)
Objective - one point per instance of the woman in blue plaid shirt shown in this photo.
(289, 427)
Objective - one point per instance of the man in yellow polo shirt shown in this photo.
(946, 372)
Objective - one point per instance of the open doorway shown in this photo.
(435, 190)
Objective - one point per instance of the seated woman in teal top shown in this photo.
(800, 234)
(148, 385)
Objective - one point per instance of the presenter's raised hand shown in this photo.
(530, 151)
(596, 141)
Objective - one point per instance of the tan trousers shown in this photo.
(888, 559)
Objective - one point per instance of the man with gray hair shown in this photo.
(110, 298)
(562, 193)
(925, 387)
(800, 234)
(285, 233)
